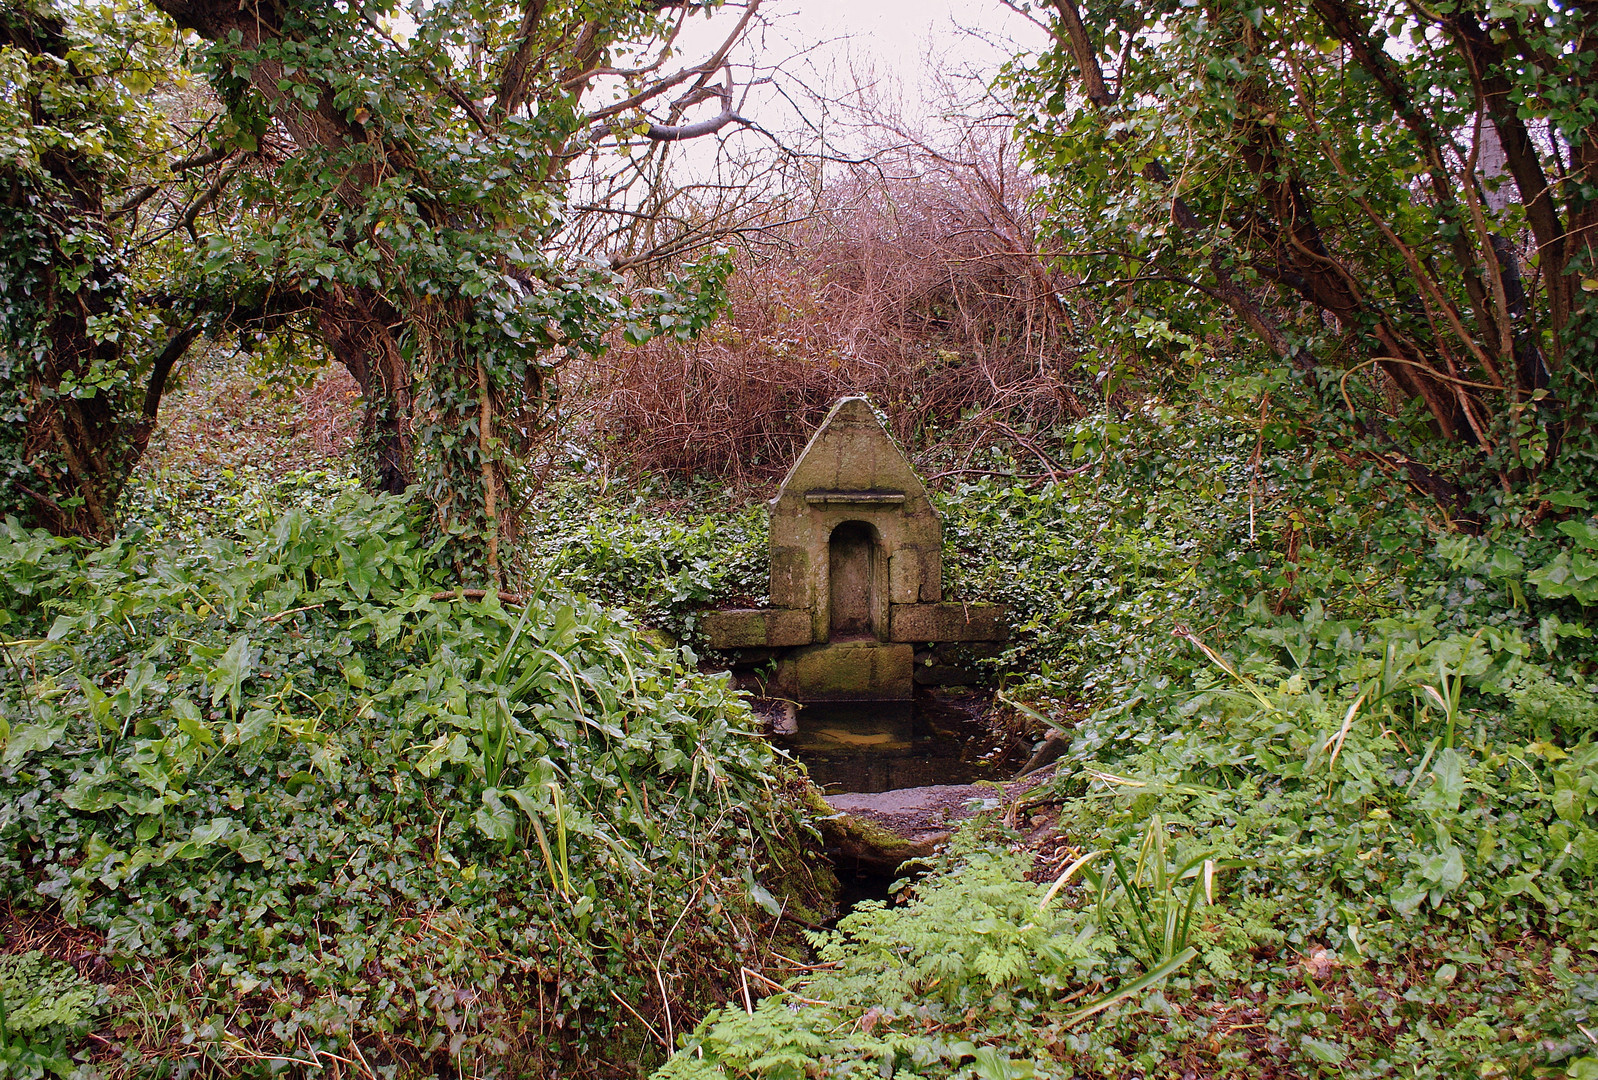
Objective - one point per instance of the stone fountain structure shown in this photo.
(857, 609)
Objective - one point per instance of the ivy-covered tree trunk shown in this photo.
(419, 207)
(403, 199)
(74, 421)
(357, 331)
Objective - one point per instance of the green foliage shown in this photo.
(611, 541)
(44, 1005)
(179, 507)
(429, 227)
(959, 944)
(419, 235)
(362, 811)
(1408, 666)
(75, 339)
(39, 993)
(1330, 782)
(1187, 518)
(980, 973)
(1146, 903)
(1381, 745)
(1572, 573)
(1350, 189)
(1385, 731)
(972, 946)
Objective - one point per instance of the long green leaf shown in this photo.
(1159, 974)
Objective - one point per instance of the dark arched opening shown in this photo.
(852, 554)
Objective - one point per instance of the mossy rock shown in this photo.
(858, 842)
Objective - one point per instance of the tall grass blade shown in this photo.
(560, 840)
(1342, 732)
(1157, 975)
(549, 859)
(1065, 878)
(1216, 659)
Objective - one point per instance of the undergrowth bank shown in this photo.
(322, 811)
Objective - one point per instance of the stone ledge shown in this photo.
(855, 498)
(748, 628)
(947, 622)
(847, 671)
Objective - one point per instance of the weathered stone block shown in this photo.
(932, 574)
(790, 577)
(758, 627)
(849, 479)
(904, 576)
(743, 628)
(947, 622)
(856, 562)
(848, 671)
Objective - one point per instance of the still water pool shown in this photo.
(883, 746)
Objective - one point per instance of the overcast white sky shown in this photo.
(902, 48)
(898, 35)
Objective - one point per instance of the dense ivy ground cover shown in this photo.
(325, 813)
(617, 543)
(1362, 738)
(1328, 803)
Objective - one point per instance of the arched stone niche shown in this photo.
(853, 591)
(856, 570)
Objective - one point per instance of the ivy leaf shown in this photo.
(1445, 869)
(496, 820)
(226, 679)
(993, 1063)
(209, 833)
(30, 738)
(1581, 532)
(1322, 1050)
(762, 896)
(1407, 897)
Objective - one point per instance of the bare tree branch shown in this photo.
(513, 79)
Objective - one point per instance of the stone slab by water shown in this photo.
(928, 814)
(913, 813)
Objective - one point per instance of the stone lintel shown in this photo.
(746, 628)
(855, 498)
(947, 622)
(848, 671)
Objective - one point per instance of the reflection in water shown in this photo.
(882, 746)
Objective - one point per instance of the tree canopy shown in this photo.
(389, 180)
(1390, 206)
(1395, 202)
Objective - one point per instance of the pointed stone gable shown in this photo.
(851, 471)
(851, 451)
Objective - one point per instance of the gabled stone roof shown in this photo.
(851, 452)
(852, 505)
